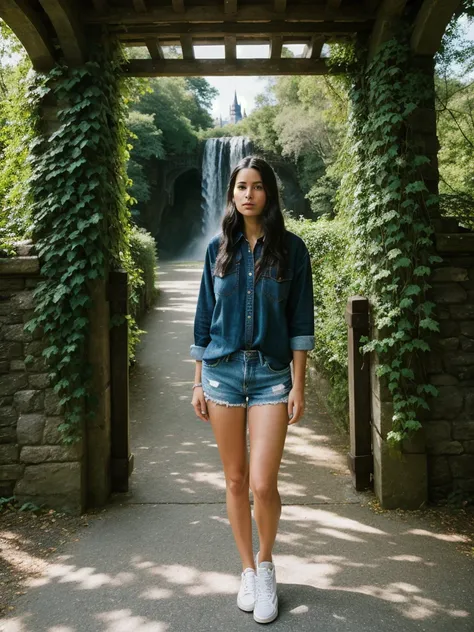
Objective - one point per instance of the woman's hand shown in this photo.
(199, 403)
(295, 405)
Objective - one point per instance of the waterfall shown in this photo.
(219, 159)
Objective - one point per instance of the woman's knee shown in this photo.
(238, 483)
(264, 490)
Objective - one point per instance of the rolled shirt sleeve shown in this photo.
(300, 307)
(205, 308)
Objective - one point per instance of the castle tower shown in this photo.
(235, 110)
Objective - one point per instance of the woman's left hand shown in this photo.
(295, 405)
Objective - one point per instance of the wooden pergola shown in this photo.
(52, 30)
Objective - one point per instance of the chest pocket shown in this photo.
(228, 284)
(277, 287)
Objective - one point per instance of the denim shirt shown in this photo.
(275, 315)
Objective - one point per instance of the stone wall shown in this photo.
(34, 465)
(449, 427)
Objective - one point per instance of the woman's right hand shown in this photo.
(199, 404)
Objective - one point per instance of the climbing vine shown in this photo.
(388, 203)
(80, 215)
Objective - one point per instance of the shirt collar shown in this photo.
(240, 235)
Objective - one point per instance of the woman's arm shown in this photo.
(296, 400)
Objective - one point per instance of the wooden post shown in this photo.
(360, 459)
(121, 459)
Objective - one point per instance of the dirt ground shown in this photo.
(29, 539)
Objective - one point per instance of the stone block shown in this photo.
(449, 328)
(12, 318)
(433, 362)
(438, 495)
(455, 243)
(38, 381)
(446, 447)
(462, 312)
(51, 403)
(7, 434)
(48, 453)
(6, 489)
(19, 265)
(50, 478)
(11, 472)
(31, 283)
(4, 366)
(30, 429)
(459, 364)
(448, 404)
(448, 293)
(24, 300)
(10, 283)
(467, 344)
(16, 333)
(35, 347)
(401, 480)
(51, 433)
(469, 403)
(17, 365)
(38, 365)
(443, 379)
(469, 447)
(8, 415)
(11, 383)
(449, 344)
(29, 401)
(463, 430)
(439, 472)
(462, 466)
(9, 454)
(450, 274)
(437, 431)
(10, 350)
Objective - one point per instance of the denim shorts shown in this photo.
(245, 378)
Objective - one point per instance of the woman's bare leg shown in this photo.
(268, 425)
(230, 430)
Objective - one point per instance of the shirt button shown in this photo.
(249, 316)
(250, 274)
(249, 292)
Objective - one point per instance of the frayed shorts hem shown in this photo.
(220, 402)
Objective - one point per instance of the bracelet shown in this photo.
(196, 385)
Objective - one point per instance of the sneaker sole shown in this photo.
(267, 620)
(245, 608)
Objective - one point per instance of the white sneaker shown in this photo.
(266, 600)
(246, 596)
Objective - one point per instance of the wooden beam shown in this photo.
(313, 49)
(178, 6)
(280, 6)
(430, 25)
(140, 6)
(230, 43)
(230, 7)
(65, 20)
(276, 44)
(187, 46)
(259, 12)
(31, 31)
(388, 15)
(220, 67)
(154, 49)
(261, 30)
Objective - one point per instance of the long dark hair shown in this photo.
(273, 224)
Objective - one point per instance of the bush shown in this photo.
(143, 290)
(334, 280)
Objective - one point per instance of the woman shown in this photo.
(254, 316)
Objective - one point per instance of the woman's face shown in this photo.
(249, 195)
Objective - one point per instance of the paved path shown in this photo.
(162, 559)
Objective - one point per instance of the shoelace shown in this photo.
(264, 584)
(249, 583)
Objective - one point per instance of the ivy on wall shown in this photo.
(388, 203)
(80, 215)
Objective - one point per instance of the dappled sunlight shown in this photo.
(327, 519)
(445, 537)
(125, 621)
